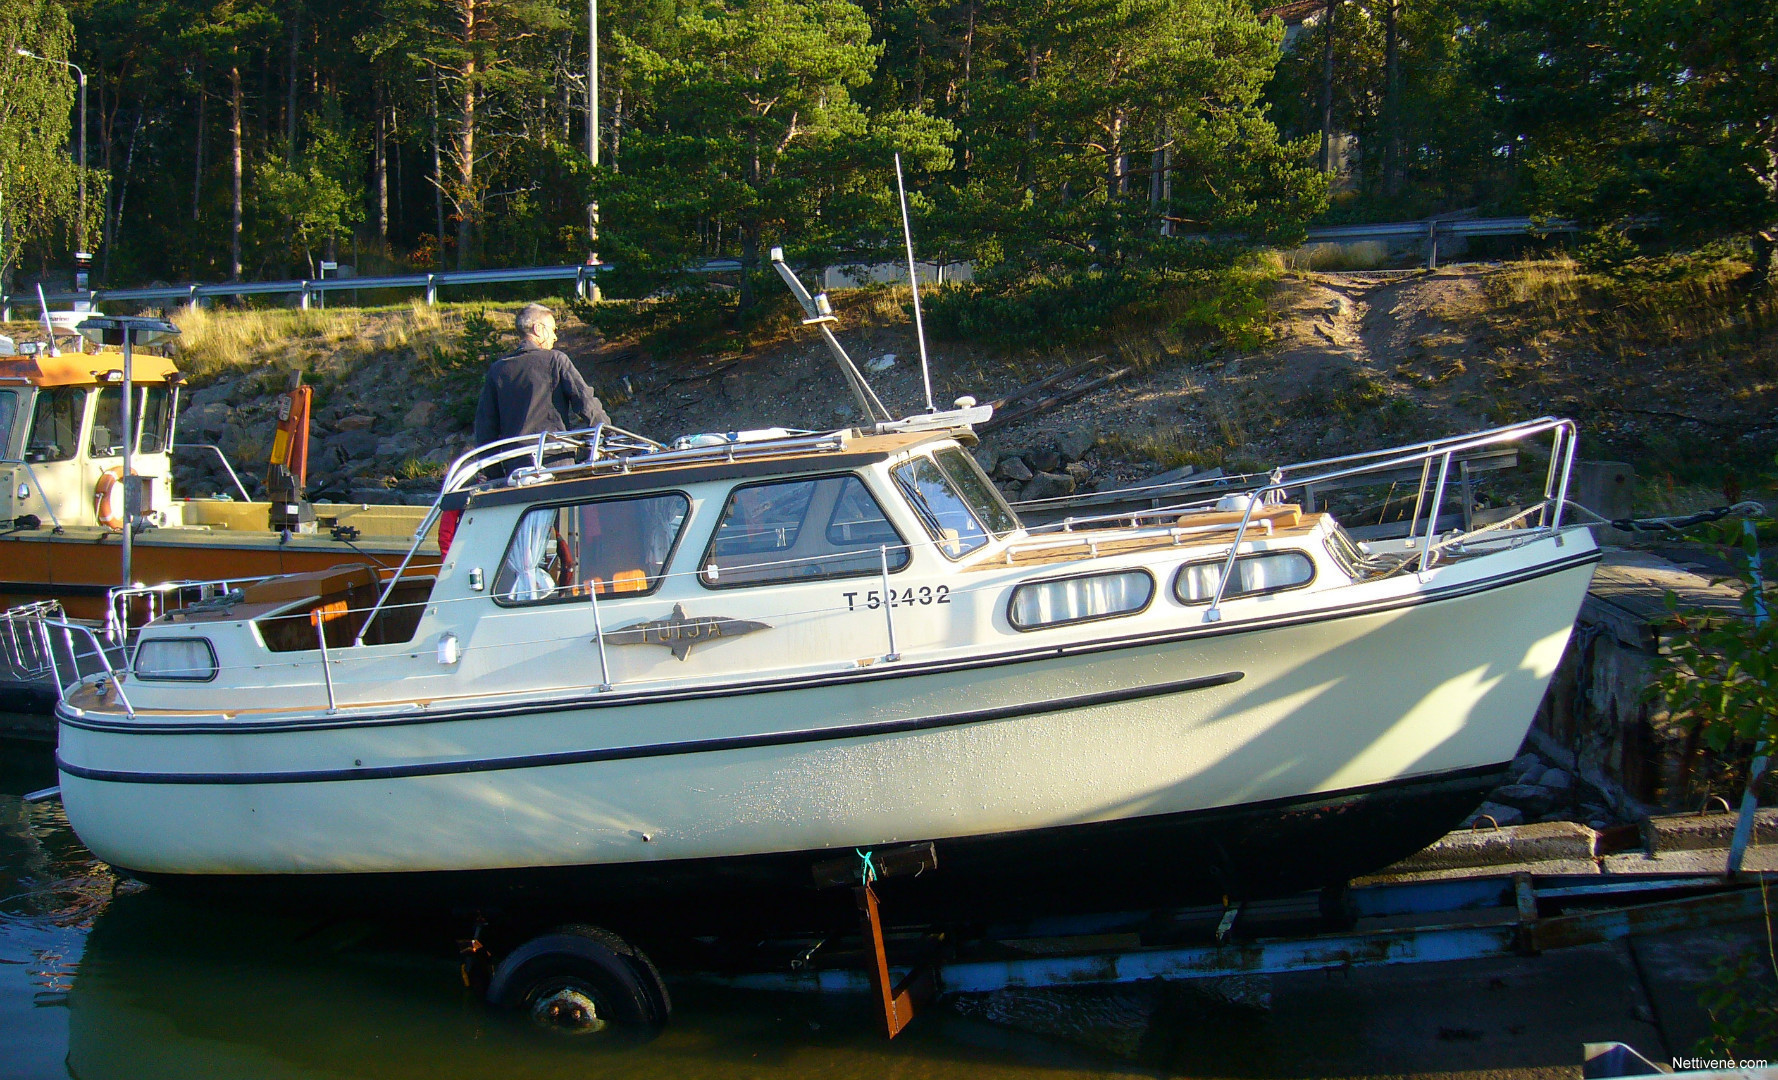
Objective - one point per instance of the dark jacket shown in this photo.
(532, 391)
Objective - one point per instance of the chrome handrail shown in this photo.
(116, 680)
(1564, 438)
(119, 597)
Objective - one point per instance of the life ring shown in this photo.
(108, 506)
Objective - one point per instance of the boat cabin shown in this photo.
(61, 437)
(722, 557)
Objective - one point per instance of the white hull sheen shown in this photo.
(1259, 715)
(1295, 738)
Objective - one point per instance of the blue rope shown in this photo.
(867, 872)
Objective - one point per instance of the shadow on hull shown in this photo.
(1250, 852)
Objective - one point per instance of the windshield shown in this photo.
(9, 407)
(942, 508)
(151, 421)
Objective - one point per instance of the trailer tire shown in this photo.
(581, 979)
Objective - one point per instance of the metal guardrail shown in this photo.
(1434, 229)
(308, 290)
(583, 275)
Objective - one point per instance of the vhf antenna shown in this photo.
(907, 233)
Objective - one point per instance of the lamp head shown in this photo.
(112, 330)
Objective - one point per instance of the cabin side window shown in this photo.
(150, 419)
(9, 409)
(55, 424)
(797, 530)
(613, 546)
(954, 503)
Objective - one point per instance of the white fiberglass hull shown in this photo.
(1275, 712)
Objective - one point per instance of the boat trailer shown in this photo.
(1464, 918)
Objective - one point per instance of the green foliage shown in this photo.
(304, 204)
(1742, 1005)
(458, 372)
(1720, 672)
(38, 182)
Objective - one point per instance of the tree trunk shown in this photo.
(296, 19)
(437, 175)
(379, 164)
(1392, 163)
(464, 153)
(234, 132)
(968, 68)
(123, 184)
(750, 237)
(1031, 125)
(617, 124)
(1327, 87)
(197, 170)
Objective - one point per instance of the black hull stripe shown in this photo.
(52, 588)
(620, 699)
(699, 746)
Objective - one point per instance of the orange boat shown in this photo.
(62, 506)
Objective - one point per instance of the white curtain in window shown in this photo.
(524, 558)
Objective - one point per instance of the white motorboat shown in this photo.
(654, 682)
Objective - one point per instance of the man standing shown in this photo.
(535, 389)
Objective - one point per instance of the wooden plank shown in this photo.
(1045, 383)
(1053, 400)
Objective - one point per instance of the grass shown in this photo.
(1358, 255)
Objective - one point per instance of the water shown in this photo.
(102, 979)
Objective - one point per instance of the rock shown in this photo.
(1048, 485)
(1076, 444)
(1012, 468)
(1533, 774)
(1045, 458)
(348, 448)
(1080, 471)
(734, 387)
(396, 446)
(215, 393)
(438, 455)
(420, 415)
(1554, 779)
(357, 422)
(880, 363)
(1009, 489)
(1533, 800)
(1525, 763)
(374, 496)
(203, 423)
(1502, 815)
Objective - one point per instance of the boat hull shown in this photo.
(1260, 758)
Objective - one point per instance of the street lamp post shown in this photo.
(592, 81)
(80, 77)
(127, 331)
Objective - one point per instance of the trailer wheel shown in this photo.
(580, 979)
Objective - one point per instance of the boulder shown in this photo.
(1502, 815)
(1554, 779)
(397, 446)
(439, 455)
(1049, 485)
(374, 496)
(215, 393)
(348, 448)
(1044, 458)
(1012, 468)
(1530, 798)
(420, 416)
(204, 423)
(356, 422)
(1080, 471)
(1076, 444)
(1009, 489)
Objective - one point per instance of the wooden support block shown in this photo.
(886, 862)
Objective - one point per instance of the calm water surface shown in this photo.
(98, 981)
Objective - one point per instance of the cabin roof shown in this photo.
(78, 369)
(644, 475)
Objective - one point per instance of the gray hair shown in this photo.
(531, 318)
